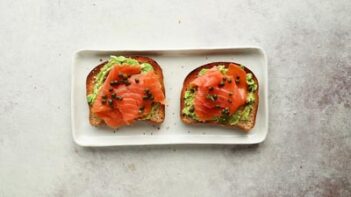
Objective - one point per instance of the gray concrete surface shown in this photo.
(308, 148)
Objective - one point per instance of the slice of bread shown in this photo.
(156, 118)
(243, 125)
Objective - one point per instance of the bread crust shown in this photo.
(160, 115)
(242, 125)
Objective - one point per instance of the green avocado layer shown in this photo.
(154, 109)
(241, 114)
(189, 110)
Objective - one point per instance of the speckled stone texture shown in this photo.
(308, 148)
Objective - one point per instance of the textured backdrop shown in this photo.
(308, 148)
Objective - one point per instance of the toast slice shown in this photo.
(156, 118)
(242, 125)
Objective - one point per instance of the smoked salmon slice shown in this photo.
(216, 91)
(127, 94)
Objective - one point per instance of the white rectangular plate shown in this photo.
(176, 64)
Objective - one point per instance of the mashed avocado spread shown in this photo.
(189, 109)
(113, 61)
(155, 107)
(242, 114)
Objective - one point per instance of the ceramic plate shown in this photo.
(176, 64)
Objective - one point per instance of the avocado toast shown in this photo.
(220, 93)
(123, 90)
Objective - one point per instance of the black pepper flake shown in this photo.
(120, 75)
(225, 112)
(230, 94)
(229, 80)
(221, 84)
(127, 82)
(224, 79)
(210, 88)
(119, 98)
(148, 95)
(110, 89)
(136, 80)
(192, 109)
(218, 107)
(110, 102)
(237, 80)
(141, 109)
(104, 97)
(212, 97)
(114, 82)
(113, 95)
